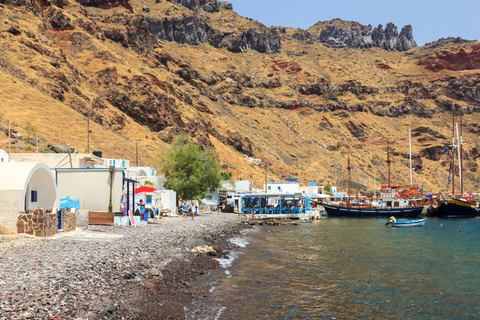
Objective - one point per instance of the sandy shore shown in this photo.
(113, 272)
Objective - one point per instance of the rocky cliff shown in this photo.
(369, 37)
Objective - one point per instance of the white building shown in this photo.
(228, 189)
(117, 163)
(143, 174)
(59, 160)
(91, 187)
(283, 187)
(24, 186)
(3, 156)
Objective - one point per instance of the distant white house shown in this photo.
(3, 156)
(24, 186)
(228, 189)
(283, 187)
(117, 163)
(143, 174)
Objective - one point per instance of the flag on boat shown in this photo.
(446, 150)
(351, 171)
(421, 187)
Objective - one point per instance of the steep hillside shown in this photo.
(143, 74)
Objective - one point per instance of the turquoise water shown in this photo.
(353, 269)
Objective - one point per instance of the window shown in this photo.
(396, 204)
(33, 196)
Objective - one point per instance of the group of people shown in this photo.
(188, 209)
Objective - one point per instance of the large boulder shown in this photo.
(61, 148)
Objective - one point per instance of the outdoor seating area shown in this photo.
(275, 204)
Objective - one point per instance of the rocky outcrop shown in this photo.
(187, 30)
(240, 143)
(106, 4)
(196, 5)
(461, 60)
(56, 20)
(191, 31)
(369, 37)
(134, 35)
(268, 42)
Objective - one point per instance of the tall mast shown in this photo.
(349, 174)
(388, 162)
(459, 160)
(461, 151)
(453, 146)
(410, 144)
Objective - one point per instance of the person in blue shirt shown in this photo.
(185, 208)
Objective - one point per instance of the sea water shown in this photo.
(340, 268)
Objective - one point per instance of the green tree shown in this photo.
(190, 171)
(226, 175)
(148, 183)
(328, 188)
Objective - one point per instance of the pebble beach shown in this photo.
(144, 272)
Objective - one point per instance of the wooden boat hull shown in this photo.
(453, 208)
(410, 223)
(337, 211)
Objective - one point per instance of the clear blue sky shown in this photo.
(430, 19)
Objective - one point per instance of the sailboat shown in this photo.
(393, 201)
(452, 207)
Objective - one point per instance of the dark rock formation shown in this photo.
(268, 42)
(106, 4)
(61, 148)
(56, 20)
(369, 37)
(187, 30)
(241, 144)
(196, 5)
(192, 31)
(134, 35)
(433, 153)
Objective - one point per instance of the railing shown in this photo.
(258, 211)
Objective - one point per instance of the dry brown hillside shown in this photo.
(145, 74)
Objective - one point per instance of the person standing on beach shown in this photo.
(191, 210)
(141, 204)
(185, 208)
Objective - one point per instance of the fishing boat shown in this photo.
(394, 201)
(455, 207)
(406, 223)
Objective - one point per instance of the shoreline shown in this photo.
(141, 272)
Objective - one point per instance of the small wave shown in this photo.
(219, 313)
(242, 243)
(202, 311)
(226, 263)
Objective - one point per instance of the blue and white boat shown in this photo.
(406, 223)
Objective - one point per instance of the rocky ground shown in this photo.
(113, 272)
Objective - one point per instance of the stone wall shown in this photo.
(39, 223)
(69, 220)
(82, 219)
